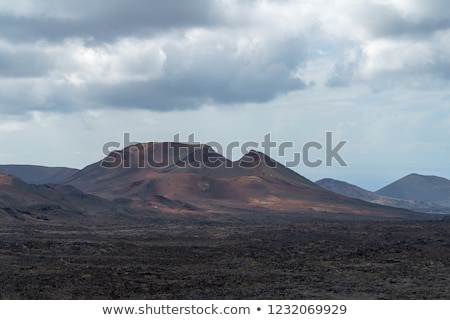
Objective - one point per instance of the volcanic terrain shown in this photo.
(177, 221)
(21, 202)
(176, 177)
(38, 174)
(430, 189)
(352, 191)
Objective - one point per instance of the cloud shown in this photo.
(206, 67)
(387, 43)
(65, 56)
(17, 62)
(100, 20)
(408, 63)
(177, 71)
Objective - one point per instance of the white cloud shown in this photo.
(126, 60)
(11, 126)
(253, 53)
(387, 55)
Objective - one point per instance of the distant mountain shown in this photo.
(38, 174)
(20, 201)
(353, 191)
(347, 189)
(177, 177)
(431, 189)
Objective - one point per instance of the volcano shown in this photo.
(352, 191)
(432, 189)
(176, 177)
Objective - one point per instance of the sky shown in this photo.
(75, 75)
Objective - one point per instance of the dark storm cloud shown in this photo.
(189, 90)
(24, 64)
(383, 20)
(214, 74)
(165, 55)
(106, 20)
(206, 67)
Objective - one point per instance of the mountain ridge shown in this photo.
(36, 174)
(201, 178)
(21, 201)
(165, 179)
(427, 188)
(353, 191)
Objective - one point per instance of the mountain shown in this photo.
(430, 189)
(352, 191)
(347, 189)
(20, 201)
(38, 174)
(175, 177)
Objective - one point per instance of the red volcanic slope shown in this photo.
(156, 175)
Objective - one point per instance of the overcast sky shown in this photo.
(77, 74)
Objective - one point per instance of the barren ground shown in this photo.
(303, 260)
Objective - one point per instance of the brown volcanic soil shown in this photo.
(20, 202)
(186, 174)
(303, 260)
(191, 198)
(200, 233)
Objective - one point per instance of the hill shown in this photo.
(175, 177)
(20, 201)
(38, 174)
(353, 191)
(424, 188)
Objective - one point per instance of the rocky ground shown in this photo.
(303, 260)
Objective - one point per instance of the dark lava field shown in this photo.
(299, 260)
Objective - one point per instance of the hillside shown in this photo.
(173, 177)
(20, 201)
(353, 191)
(38, 174)
(424, 188)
